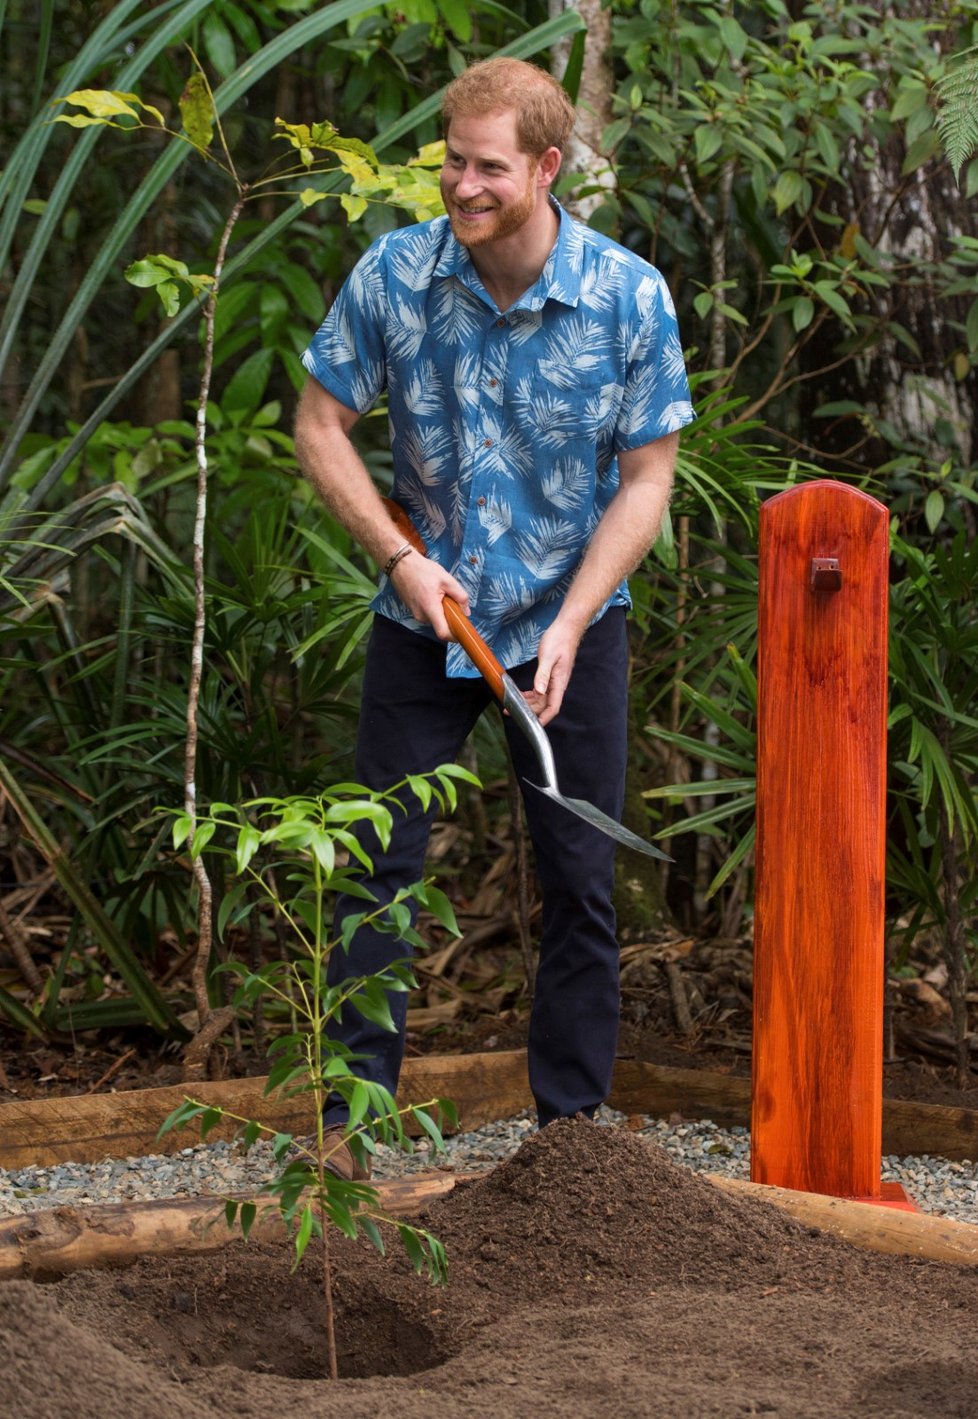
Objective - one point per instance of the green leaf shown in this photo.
(911, 97)
(246, 389)
(230, 1211)
(733, 36)
(707, 140)
(304, 1233)
(202, 836)
(802, 313)
(372, 1232)
(249, 841)
(154, 270)
(921, 151)
(787, 190)
(934, 509)
(248, 1213)
(703, 304)
(219, 47)
(209, 1119)
(829, 293)
(197, 111)
(104, 103)
(412, 1245)
(971, 327)
(458, 17)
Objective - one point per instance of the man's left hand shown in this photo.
(555, 661)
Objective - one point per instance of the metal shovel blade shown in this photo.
(602, 822)
(517, 706)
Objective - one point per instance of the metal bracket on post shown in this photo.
(826, 574)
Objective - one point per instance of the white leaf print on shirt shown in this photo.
(649, 302)
(601, 407)
(423, 394)
(426, 515)
(566, 483)
(457, 313)
(406, 330)
(508, 453)
(366, 285)
(548, 547)
(341, 346)
(412, 265)
(466, 380)
(507, 596)
(579, 348)
(673, 364)
(554, 419)
(597, 291)
(428, 449)
(497, 519)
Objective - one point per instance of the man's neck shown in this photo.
(508, 268)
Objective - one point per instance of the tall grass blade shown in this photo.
(153, 1007)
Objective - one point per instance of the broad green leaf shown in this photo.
(218, 46)
(707, 140)
(249, 841)
(458, 17)
(105, 103)
(934, 509)
(197, 111)
(802, 313)
(787, 190)
(703, 304)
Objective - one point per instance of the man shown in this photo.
(536, 388)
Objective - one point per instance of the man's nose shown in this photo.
(468, 183)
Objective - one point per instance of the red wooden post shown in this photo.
(821, 783)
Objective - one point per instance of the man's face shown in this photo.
(488, 186)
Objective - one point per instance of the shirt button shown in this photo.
(493, 383)
(500, 322)
(474, 561)
(487, 443)
(481, 502)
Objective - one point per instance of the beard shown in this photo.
(501, 222)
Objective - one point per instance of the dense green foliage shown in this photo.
(783, 166)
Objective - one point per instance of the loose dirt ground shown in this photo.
(589, 1278)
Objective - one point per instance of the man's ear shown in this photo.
(548, 166)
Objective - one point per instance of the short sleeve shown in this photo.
(347, 354)
(656, 400)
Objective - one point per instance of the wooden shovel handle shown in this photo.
(459, 624)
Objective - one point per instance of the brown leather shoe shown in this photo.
(340, 1160)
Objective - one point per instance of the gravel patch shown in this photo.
(940, 1187)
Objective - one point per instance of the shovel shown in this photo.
(511, 698)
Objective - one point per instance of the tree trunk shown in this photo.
(584, 153)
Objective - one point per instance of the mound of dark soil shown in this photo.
(589, 1277)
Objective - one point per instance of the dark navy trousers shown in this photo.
(412, 719)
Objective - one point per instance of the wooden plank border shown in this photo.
(54, 1241)
(484, 1086)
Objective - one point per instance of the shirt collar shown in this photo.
(558, 281)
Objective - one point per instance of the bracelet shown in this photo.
(392, 561)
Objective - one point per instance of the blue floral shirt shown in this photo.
(505, 426)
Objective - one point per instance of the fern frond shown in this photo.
(957, 116)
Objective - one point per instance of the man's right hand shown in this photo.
(422, 585)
